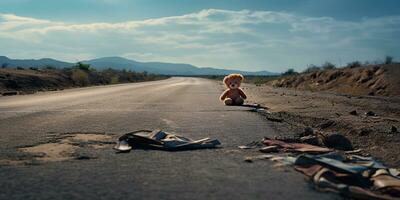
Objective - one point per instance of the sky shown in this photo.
(250, 35)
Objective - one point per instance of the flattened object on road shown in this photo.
(353, 176)
(295, 147)
(160, 140)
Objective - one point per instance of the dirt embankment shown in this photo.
(14, 81)
(25, 81)
(380, 80)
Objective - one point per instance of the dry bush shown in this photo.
(80, 77)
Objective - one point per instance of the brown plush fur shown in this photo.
(233, 95)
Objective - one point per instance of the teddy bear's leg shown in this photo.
(239, 101)
(228, 101)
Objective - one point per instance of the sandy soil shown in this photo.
(294, 110)
(64, 147)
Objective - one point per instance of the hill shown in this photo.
(26, 63)
(123, 63)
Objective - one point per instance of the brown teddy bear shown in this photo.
(233, 95)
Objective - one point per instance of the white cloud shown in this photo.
(209, 37)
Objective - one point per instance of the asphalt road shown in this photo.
(188, 106)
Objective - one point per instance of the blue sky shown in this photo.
(250, 34)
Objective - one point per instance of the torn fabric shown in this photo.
(157, 139)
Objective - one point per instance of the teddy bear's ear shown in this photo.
(226, 79)
(241, 77)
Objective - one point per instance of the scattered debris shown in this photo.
(294, 147)
(252, 145)
(284, 160)
(270, 149)
(160, 140)
(317, 138)
(352, 176)
(259, 157)
(343, 172)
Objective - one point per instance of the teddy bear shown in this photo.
(233, 95)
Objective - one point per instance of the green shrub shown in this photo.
(328, 65)
(289, 72)
(80, 77)
(354, 64)
(82, 66)
(388, 60)
(49, 67)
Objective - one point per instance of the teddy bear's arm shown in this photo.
(242, 93)
(223, 95)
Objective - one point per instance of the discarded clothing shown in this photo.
(352, 176)
(295, 147)
(157, 139)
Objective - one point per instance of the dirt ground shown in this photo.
(372, 123)
(373, 80)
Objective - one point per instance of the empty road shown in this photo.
(187, 106)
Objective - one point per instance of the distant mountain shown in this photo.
(164, 68)
(44, 62)
(123, 63)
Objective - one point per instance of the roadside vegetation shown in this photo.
(379, 78)
(29, 80)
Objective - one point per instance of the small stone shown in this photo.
(308, 131)
(338, 141)
(370, 113)
(312, 139)
(364, 132)
(394, 129)
(354, 112)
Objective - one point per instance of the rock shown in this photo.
(338, 141)
(370, 113)
(313, 140)
(364, 132)
(307, 131)
(354, 112)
